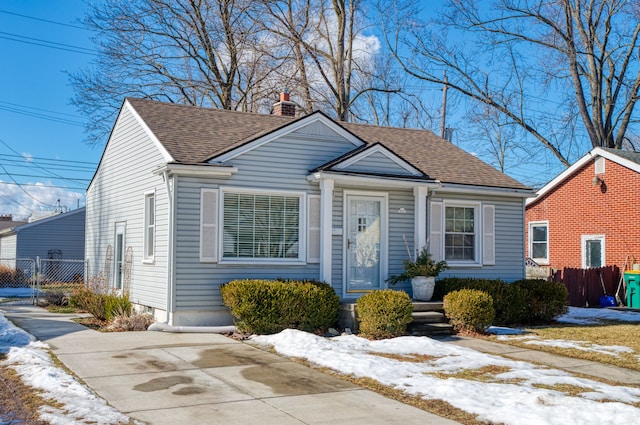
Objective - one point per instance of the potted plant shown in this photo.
(422, 272)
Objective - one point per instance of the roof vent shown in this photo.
(284, 107)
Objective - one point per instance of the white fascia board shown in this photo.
(384, 151)
(483, 190)
(196, 170)
(165, 154)
(345, 179)
(290, 128)
(589, 156)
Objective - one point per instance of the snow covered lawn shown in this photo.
(520, 393)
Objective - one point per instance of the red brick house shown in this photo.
(588, 216)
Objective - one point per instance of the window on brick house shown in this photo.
(539, 242)
(593, 251)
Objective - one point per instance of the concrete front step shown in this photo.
(427, 306)
(428, 317)
(429, 320)
(429, 329)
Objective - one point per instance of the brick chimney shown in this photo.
(6, 217)
(284, 107)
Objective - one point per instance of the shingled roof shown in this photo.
(195, 135)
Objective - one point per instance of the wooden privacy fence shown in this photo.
(585, 286)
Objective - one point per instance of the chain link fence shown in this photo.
(57, 279)
(17, 279)
(51, 280)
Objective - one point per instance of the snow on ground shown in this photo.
(32, 361)
(594, 316)
(580, 316)
(523, 394)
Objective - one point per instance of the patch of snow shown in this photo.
(31, 360)
(518, 396)
(498, 330)
(594, 316)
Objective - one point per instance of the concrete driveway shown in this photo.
(169, 378)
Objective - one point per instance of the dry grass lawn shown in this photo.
(610, 334)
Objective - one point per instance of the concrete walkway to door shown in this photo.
(165, 378)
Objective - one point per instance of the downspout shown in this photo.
(170, 250)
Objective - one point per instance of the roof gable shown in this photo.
(316, 123)
(373, 159)
(627, 159)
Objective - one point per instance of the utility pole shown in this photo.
(443, 123)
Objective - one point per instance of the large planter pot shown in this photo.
(423, 287)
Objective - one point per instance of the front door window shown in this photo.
(364, 225)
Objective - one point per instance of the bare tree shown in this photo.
(515, 53)
(325, 40)
(198, 52)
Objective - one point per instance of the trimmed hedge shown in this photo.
(469, 310)
(546, 299)
(521, 302)
(384, 313)
(270, 306)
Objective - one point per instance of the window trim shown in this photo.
(583, 248)
(302, 227)
(477, 230)
(149, 258)
(541, 261)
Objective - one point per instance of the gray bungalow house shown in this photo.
(186, 198)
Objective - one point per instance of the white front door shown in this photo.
(365, 243)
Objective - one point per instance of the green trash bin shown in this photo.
(632, 278)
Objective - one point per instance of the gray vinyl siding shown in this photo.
(509, 241)
(281, 165)
(377, 163)
(63, 232)
(116, 195)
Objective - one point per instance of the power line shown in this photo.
(44, 185)
(46, 43)
(45, 20)
(41, 116)
(22, 188)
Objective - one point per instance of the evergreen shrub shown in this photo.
(270, 306)
(384, 314)
(469, 310)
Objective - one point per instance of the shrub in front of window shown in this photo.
(270, 306)
(384, 314)
(469, 310)
(510, 301)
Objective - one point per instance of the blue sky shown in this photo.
(37, 121)
(44, 162)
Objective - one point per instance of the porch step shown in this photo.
(429, 319)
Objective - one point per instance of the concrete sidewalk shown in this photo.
(165, 378)
(571, 365)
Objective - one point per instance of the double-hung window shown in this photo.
(460, 233)
(261, 226)
(539, 242)
(149, 225)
